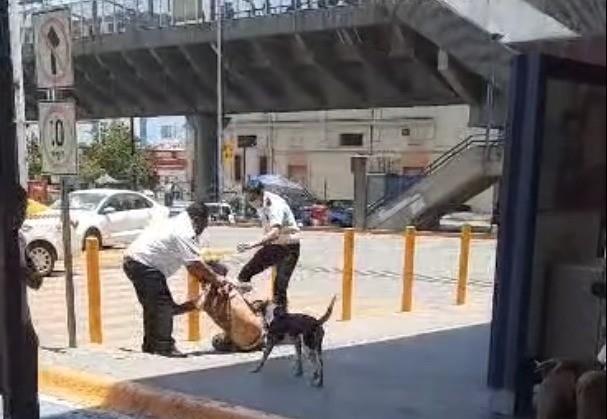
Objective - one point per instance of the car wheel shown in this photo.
(92, 232)
(43, 256)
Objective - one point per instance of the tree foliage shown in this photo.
(34, 157)
(112, 153)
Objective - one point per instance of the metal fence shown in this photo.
(97, 17)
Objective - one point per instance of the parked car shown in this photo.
(303, 216)
(220, 212)
(44, 240)
(341, 213)
(113, 216)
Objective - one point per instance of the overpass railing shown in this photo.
(97, 17)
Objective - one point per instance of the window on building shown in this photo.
(167, 131)
(263, 165)
(351, 140)
(237, 168)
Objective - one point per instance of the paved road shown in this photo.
(433, 376)
(378, 262)
(52, 408)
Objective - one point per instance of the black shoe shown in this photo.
(171, 353)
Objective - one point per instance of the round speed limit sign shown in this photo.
(58, 138)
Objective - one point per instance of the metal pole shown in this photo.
(495, 37)
(371, 131)
(133, 172)
(15, 30)
(67, 261)
(219, 169)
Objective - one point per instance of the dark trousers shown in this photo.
(158, 305)
(284, 257)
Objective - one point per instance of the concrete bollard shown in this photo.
(464, 259)
(93, 289)
(406, 303)
(193, 316)
(348, 271)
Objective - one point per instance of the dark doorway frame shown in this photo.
(510, 373)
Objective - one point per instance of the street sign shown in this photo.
(245, 141)
(53, 49)
(59, 146)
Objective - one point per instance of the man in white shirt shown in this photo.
(156, 255)
(280, 244)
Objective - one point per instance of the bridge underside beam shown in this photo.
(586, 17)
(376, 55)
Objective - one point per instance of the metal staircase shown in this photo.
(461, 173)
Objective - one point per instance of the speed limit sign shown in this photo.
(59, 146)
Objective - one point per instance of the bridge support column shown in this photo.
(358, 165)
(203, 131)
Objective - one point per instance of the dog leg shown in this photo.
(298, 369)
(266, 353)
(317, 378)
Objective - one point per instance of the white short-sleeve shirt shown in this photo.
(276, 212)
(167, 245)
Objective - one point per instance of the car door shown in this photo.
(115, 218)
(141, 215)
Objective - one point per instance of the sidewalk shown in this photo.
(426, 364)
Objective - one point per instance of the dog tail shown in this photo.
(328, 313)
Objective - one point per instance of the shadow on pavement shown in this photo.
(437, 375)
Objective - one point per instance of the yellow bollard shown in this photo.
(406, 302)
(193, 316)
(273, 282)
(346, 291)
(464, 257)
(94, 289)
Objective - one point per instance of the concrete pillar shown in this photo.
(203, 129)
(358, 165)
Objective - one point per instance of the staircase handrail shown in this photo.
(442, 160)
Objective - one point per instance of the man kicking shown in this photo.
(280, 244)
(156, 255)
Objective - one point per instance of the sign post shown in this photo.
(244, 142)
(57, 124)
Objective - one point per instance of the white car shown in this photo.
(220, 212)
(114, 217)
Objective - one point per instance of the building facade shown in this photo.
(314, 148)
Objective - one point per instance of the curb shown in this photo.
(132, 398)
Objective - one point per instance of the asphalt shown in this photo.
(433, 376)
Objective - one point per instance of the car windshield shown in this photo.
(82, 201)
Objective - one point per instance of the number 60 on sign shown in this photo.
(58, 138)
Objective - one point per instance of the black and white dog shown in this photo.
(299, 329)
